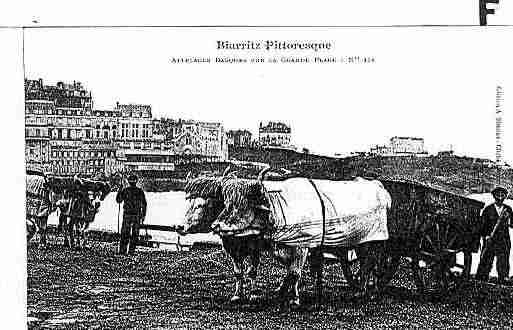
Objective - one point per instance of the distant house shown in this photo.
(274, 134)
(239, 138)
(400, 146)
(404, 145)
(446, 153)
(380, 150)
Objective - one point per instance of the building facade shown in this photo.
(198, 140)
(239, 138)
(275, 134)
(37, 133)
(380, 150)
(60, 119)
(402, 145)
(64, 135)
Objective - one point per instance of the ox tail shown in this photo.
(383, 194)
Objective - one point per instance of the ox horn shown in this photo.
(189, 176)
(227, 170)
(262, 173)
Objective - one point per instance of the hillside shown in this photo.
(463, 175)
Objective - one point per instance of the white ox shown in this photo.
(287, 218)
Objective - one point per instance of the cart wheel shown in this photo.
(434, 263)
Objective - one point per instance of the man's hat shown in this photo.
(132, 177)
(498, 190)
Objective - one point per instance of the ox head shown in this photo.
(245, 206)
(221, 201)
(200, 213)
(204, 203)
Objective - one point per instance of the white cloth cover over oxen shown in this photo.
(355, 212)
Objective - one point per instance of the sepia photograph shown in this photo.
(267, 177)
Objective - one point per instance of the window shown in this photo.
(105, 135)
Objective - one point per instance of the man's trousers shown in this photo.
(129, 233)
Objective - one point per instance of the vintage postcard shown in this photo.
(268, 177)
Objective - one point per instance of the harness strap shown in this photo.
(323, 212)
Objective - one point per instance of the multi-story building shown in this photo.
(274, 134)
(380, 150)
(239, 138)
(79, 138)
(403, 145)
(66, 136)
(400, 146)
(37, 133)
(197, 140)
(135, 126)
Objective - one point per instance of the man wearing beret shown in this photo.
(496, 219)
(134, 212)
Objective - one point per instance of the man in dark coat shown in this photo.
(134, 212)
(496, 218)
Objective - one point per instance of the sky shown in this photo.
(435, 82)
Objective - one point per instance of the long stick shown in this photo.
(119, 211)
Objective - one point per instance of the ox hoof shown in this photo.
(235, 299)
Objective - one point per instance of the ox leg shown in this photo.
(43, 221)
(62, 227)
(367, 268)
(66, 232)
(284, 256)
(362, 253)
(296, 268)
(71, 233)
(252, 274)
(80, 236)
(84, 236)
(238, 268)
(316, 269)
(84, 228)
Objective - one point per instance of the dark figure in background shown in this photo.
(134, 212)
(63, 205)
(497, 220)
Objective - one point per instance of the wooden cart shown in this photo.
(430, 227)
